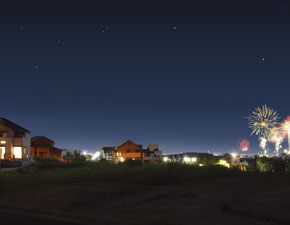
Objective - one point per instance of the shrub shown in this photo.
(279, 165)
(131, 162)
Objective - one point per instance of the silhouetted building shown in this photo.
(43, 147)
(152, 154)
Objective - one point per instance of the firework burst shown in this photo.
(277, 136)
(286, 129)
(263, 120)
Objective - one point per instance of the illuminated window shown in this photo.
(193, 159)
(3, 142)
(17, 152)
(2, 152)
(186, 159)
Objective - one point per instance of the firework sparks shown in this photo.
(263, 144)
(262, 120)
(286, 129)
(276, 136)
(244, 145)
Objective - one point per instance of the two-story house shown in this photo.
(128, 150)
(152, 154)
(43, 147)
(14, 141)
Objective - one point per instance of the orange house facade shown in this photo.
(128, 150)
(43, 147)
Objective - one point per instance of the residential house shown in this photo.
(128, 150)
(107, 153)
(152, 154)
(14, 141)
(69, 155)
(44, 147)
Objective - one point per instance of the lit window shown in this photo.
(3, 142)
(2, 152)
(193, 159)
(17, 152)
(186, 159)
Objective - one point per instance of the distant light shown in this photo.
(200, 164)
(122, 159)
(234, 154)
(165, 159)
(193, 159)
(96, 156)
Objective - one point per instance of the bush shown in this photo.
(279, 165)
(264, 164)
(41, 163)
(131, 162)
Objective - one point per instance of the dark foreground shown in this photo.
(9, 218)
(246, 200)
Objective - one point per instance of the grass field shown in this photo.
(45, 172)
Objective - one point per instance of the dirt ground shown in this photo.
(233, 201)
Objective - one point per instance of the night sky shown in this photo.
(181, 74)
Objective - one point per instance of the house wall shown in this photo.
(12, 142)
(43, 152)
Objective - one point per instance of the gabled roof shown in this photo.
(129, 142)
(12, 126)
(108, 149)
(35, 138)
(41, 141)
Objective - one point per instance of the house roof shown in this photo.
(35, 138)
(42, 141)
(108, 149)
(57, 149)
(12, 126)
(129, 142)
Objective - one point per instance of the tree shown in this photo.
(264, 164)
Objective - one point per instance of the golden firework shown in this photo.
(263, 120)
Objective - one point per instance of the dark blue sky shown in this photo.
(182, 74)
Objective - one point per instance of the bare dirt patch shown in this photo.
(244, 200)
